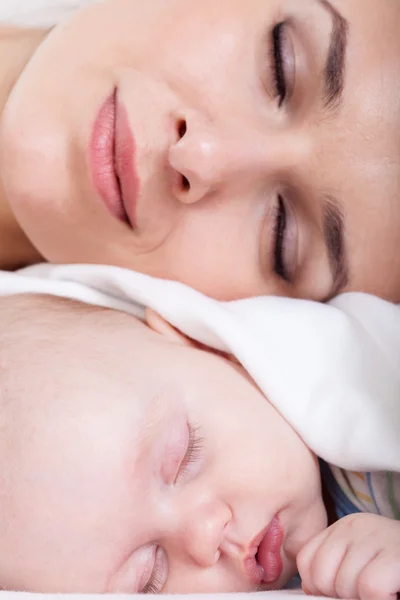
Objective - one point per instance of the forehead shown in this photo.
(360, 147)
(72, 346)
(178, 20)
(365, 136)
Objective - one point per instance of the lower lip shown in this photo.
(102, 159)
(254, 570)
(269, 552)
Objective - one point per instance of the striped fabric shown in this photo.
(351, 491)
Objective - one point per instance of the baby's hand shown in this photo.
(357, 557)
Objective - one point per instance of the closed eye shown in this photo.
(282, 61)
(159, 573)
(279, 229)
(194, 452)
(279, 78)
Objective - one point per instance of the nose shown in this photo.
(202, 531)
(207, 157)
(193, 157)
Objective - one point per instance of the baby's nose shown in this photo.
(202, 531)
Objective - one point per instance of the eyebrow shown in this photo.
(334, 227)
(334, 82)
(335, 66)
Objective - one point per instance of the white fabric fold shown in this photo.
(333, 371)
(38, 13)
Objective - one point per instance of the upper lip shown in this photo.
(102, 159)
(112, 160)
(253, 570)
(270, 540)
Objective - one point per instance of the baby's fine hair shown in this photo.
(34, 328)
(43, 319)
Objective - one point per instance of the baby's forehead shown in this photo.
(69, 360)
(69, 346)
(35, 330)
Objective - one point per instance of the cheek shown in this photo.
(62, 508)
(121, 33)
(263, 453)
(205, 256)
(70, 491)
(57, 515)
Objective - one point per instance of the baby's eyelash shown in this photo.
(194, 450)
(155, 583)
(158, 577)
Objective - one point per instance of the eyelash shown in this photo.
(155, 583)
(192, 455)
(279, 238)
(278, 73)
(278, 69)
(194, 451)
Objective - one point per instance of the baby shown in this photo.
(134, 461)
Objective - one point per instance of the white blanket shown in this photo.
(333, 371)
(280, 595)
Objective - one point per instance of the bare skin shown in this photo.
(18, 46)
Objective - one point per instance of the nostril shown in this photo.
(185, 183)
(182, 128)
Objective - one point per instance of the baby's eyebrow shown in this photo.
(153, 414)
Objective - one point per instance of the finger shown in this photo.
(380, 580)
(305, 561)
(327, 563)
(358, 556)
(306, 590)
(307, 553)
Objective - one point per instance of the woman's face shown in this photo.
(239, 146)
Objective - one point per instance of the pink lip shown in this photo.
(111, 156)
(125, 155)
(252, 568)
(263, 563)
(269, 552)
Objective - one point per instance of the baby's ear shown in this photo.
(158, 324)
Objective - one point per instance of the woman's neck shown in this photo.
(16, 48)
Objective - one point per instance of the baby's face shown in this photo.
(132, 464)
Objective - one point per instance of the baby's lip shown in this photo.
(263, 562)
(269, 552)
(253, 570)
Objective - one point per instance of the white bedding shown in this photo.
(282, 595)
(42, 13)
